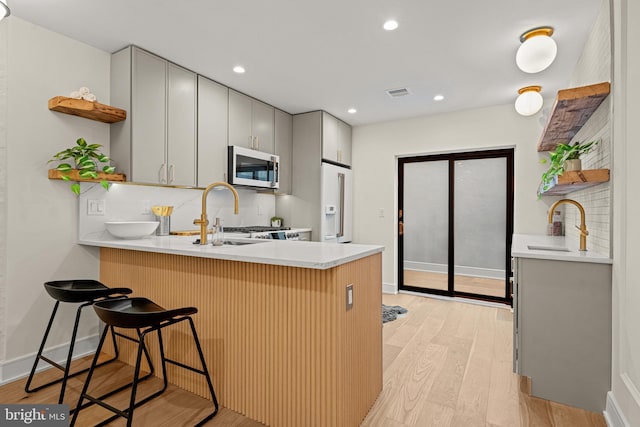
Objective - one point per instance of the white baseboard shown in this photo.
(389, 288)
(612, 414)
(461, 270)
(11, 370)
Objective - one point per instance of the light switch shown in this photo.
(349, 296)
(96, 207)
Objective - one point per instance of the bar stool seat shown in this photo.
(145, 316)
(72, 291)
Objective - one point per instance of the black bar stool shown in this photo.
(73, 291)
(145, 316)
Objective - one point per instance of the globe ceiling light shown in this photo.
(537, 51)
(529, 101)
(4, 9)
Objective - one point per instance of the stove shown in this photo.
(275, 233)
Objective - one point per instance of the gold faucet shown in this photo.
(583, 226)
(203, 221)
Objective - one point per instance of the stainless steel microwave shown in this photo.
(253, 168)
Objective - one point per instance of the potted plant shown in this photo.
(566, 157)
(86, 161)
(276, 221)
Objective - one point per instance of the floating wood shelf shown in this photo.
(577, 180)
(570, 112)
(87, 109)
(75, 176)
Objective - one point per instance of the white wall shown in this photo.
(40, 215)
(623, 404)
(375, 148)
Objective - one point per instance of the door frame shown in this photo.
(452, 157)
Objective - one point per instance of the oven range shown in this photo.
(276, 233)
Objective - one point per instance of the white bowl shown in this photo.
(131, 229)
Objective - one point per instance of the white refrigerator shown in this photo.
(336, 218)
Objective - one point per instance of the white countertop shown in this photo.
(521, 242)
(291, 253)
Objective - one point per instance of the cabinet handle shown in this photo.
(172, 174)
(339, 155)
(257, 147)
(162, 174)
(250, 141)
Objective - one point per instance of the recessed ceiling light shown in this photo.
(390, 25)
(352, 111)
(238, 69)
(438, 97)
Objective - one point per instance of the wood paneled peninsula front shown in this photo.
(281, 344)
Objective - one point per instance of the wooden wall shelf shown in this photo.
(570, 112)
(577, 180)
(74, 175)
(87, 109)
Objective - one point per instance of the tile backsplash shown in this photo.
(130, 202)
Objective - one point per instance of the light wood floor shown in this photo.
(450, 364)
(474, 285)
(445, 364)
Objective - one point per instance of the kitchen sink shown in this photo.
(234, 242)
(548, 248)
(241, 242)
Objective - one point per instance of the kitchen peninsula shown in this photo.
(282, 343)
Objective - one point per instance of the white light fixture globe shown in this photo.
(537, 51)
(529, 101)
(390, 25)
(4, 9)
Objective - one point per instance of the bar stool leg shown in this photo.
(40, 350)
(67, 367)
(205, 372)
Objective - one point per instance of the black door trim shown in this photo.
(508, 154)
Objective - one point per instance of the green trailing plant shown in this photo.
(557, 157)
(87, 159)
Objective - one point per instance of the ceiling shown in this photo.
(332, 55)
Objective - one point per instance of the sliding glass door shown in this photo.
(455, 224)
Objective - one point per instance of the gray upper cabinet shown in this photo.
(213, 99)
(284, 148)
(157, 142)
(251, 123)
(344, 143)
(336, 140)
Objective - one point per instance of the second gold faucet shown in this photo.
(583, 226)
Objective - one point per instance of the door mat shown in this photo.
(392, 312)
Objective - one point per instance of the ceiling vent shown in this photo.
(396, 93)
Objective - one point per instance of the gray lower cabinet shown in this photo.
(157, 142)
(213, 101)
(562, 330)
(284, 148)
(251, 123)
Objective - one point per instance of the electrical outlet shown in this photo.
(96, 207)
(349, 296)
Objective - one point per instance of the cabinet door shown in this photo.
(240, 120)
(213, 107)
(329, 137)
(262, 118)
(344, 143)
(181, 126)
(284, 148)
(148, 113)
